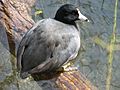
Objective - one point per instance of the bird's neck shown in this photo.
(66, 22)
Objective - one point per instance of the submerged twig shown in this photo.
(111, 48)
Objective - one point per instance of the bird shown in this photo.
(50, 43)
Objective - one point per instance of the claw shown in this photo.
(70, 69)
(67, 67)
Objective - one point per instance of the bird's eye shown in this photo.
(74, 12)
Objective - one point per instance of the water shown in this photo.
(92, 60)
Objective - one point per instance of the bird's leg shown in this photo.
(67, 67)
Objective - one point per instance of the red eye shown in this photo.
(73, 13)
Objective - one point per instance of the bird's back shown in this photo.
(47, 46)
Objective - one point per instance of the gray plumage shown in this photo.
(48, 45)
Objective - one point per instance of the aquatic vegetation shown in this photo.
(112, 44)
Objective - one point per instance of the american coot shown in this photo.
(50, 43)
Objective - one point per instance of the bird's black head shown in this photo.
(69, 14)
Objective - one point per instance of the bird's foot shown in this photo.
(67, 67)
(70, 69)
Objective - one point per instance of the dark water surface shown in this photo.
(95, 37)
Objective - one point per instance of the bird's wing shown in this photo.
(24, 43)
(41, 50)
(20, 51)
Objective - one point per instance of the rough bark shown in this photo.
(15, 21)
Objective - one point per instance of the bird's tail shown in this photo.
(24, 75)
